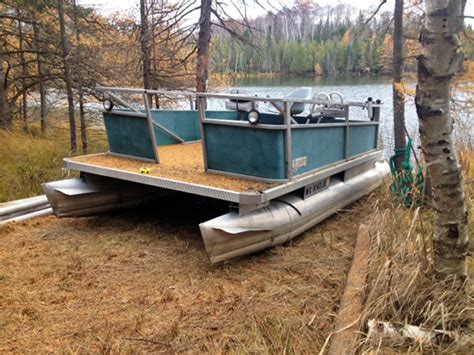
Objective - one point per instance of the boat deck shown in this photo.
(183, 162)
(181, 168)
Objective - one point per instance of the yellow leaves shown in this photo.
(346, 39)
(466, 159)
(404, 90)
(318, 70)
(467, 77)
(388, 42)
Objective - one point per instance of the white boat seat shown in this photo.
(239, 105)
(296, 107)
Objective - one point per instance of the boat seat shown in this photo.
(240, 105)
(320, 115)
(321, 119)
(296, 107)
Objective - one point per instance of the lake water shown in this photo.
(352, 89)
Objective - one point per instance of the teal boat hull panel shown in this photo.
(129, 135)
(316, 147)
(252, 150)
(184, 123)
(260, 152)
(246, 151)
(362, 139)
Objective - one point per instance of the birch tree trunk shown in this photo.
(67, 76)
(398, 95)
(442, 57)
(203, 46)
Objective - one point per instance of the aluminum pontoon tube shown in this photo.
(94, 195)
(231, 235)
(12, 207)
(41, 213)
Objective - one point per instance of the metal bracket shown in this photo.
(243, 209)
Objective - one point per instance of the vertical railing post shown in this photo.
(288, 160)
(376, 118)
(376, 111)
(151, 130)
(346, 132)
(201, 105)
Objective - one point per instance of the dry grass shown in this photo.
(183, 162)
(29, 159)
(140, 281)
(402, 287)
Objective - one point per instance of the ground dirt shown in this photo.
(140, 281)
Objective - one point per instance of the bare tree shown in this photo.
(26, 40)
(67, 76)
(145, 46)
(397, 84)
(442, 57)
(204, 41)
(39, 64)
(82, 117)
(24, 71)
(398, 95)
(5, 114)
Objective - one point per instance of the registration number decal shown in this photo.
(315, 187)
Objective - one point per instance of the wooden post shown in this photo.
(348, 319)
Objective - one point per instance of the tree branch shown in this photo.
(375, 12)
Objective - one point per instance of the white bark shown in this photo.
(399, 333)
(442, 57)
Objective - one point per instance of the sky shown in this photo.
(109, 6)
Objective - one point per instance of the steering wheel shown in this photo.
(338, 96)
(321, 96)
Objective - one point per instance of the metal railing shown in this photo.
(289, 123)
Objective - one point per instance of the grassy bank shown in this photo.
(139, 281)
(29, 159)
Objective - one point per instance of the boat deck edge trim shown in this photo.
(246, 198)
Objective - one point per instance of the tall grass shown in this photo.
(402, 285)
(29, 159)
